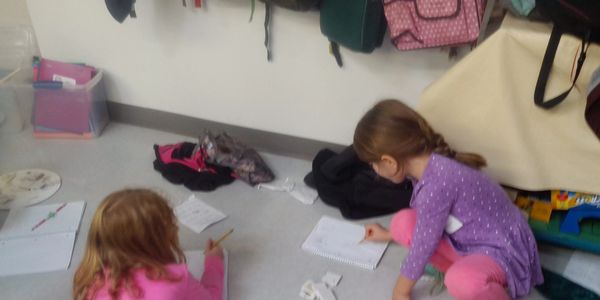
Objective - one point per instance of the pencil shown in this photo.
(367, 233)
(50, 215)
(216, 244)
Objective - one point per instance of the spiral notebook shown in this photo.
(39, 238)
(340, 240)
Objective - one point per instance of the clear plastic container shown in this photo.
(71, 112)
(17, 47)
(10, 115)
(16, 99)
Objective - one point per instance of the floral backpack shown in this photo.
(227, 151)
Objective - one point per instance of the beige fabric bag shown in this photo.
(484, 104)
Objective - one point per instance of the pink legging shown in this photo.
(474, 276)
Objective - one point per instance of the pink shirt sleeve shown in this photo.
(210, 287)
(432, 204)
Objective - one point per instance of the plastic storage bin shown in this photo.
(16, 99)
(17, 47)
(16, 95)
(71, 111)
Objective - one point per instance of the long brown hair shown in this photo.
(132, 228)
(393, 128)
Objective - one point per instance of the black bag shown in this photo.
(592, 107)
(577, 17)
(344, 181)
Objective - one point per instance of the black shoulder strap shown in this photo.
(334, 49)
(267, 30)
(540, 87)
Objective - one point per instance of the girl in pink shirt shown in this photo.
(133, 252)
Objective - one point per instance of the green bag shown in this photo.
(359, 25)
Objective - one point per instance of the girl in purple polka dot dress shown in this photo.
(460, 220)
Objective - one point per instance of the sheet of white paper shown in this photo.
(331, 279)
(584, 268)
(20, 221)
(195, 263)
(44, 253)
(197, 215)
(341, 240)
(279, 185)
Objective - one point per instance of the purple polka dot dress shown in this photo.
(491, 223)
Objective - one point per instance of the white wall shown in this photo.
(210, 63)
(14, 12)
(17, 41)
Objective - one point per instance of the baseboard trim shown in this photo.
(261, 140)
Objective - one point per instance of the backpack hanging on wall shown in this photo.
(121, 9)
(355, 24)
(297, 5)
(416, 24)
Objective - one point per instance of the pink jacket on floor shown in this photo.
(210, 287)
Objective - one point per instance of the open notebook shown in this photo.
(339, 240)
(33, 242)
(195, 263)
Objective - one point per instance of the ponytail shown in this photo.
(440, 146)
(470, 159)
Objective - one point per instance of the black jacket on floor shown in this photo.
(208, 179)
(344, 181)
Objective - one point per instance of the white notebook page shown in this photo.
(36, 254)
(339, 240)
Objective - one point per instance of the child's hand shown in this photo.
(212, 250)
(401, 297)
(376, 233)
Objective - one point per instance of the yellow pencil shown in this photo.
(215, 244)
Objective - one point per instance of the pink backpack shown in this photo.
(184, 163)
(186, 154)
(416, 24)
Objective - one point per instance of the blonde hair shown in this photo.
(393, 128)
(132, 228)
